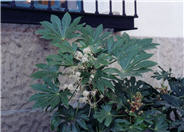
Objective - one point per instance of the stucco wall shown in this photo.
(21, 49)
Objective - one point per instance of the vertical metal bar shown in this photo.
(123, 8)
(96, 7)
(110, 7)
(13, 3)
(135, 5)
(66, 5)
(49, 5)
(82, 6)
(32, 4)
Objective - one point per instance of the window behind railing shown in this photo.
(57, 5)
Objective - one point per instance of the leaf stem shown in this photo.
(74, 92)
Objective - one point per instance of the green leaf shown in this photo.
(112, 71)
(56, 22)
(98, 31)
(65, 128)
(102, 84)
(131, 54)
(50, 27)
(42, 66)
(65, 47)
(110, 43)
(44, 74)
(37, 96)
(64, 97)
(41, 87)
(39, 74)
(145, 64)
(161, 124)
(108, 120)
(74, 129)
(82, 124)
(102, 60)
(104, 115)
(66, 20)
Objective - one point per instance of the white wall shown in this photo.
(157, 18)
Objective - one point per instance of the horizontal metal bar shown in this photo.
(28, 16)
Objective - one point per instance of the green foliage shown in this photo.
(104, 115)
(69, 120)
(131, 55)
(172, 101)
(101, 97)
(49, 96)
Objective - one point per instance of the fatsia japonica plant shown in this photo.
(103, 94)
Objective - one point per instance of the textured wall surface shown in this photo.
(21, 49)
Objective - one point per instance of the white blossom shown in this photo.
(61, 87)
(92, 76)
(81, 67)
(70, 87)
(101, 96)
(93, 93)
(84, 58)
(78, 74)
(85, 93)
(87, 50)
(78, 55)
(65, 86)
(83, 100)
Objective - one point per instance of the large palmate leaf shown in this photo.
(46, 72)
(131, 54)
(104, 115)
(127, 88)
(58, 30)
(61, 59)
(102, 82)
(95, 38)
(160, 124)
(67, 120)
(48, 96)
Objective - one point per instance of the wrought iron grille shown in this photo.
(32, 12)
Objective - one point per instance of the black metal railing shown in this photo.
(110, 20)
(81, 10)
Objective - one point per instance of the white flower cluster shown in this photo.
(86, 94)
(87, 51)
(83, 57)
(87, 98)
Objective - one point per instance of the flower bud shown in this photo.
(85, 93)
(93, 93)
(70, 87)
(101, 96)
(92, 76)
(78, 74)
(83, 100)
(84, 59)
(65, 86)
(87, 50)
